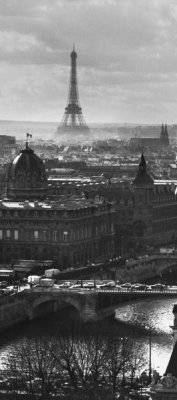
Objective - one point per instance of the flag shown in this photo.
(29, 135)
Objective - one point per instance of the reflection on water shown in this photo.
(156, 314)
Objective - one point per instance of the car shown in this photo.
(65, 284)
(107, 286)
(76, 286)
(126, 285)
(158, 286)
(88, 285)
(138, 286)
(148, 287)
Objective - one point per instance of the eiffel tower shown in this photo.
(73, 119)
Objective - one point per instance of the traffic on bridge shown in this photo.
(111, 286)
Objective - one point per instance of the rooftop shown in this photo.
(68, 204)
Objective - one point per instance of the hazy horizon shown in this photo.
(91, 123)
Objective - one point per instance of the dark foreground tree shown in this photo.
(74, 367)
(33, 368)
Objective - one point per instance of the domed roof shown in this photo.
(26, 177)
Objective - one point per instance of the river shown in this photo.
(131, 320)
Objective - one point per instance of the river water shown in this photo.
(131, 320)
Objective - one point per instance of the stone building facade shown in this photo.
(69, 230)
(146, 209)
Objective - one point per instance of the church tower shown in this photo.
(143, 203)
(164, 139)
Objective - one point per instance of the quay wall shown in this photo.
(12, 311)
(141, 271)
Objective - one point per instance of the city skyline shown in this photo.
(126, 59)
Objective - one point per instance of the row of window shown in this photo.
(44, 235)
(7, 234)
(165, 225)
(29, 235)
(52, 214)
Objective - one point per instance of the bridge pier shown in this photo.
(88, 312)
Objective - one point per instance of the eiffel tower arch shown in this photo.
(73, 119)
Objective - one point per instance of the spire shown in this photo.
(164, 135)
(142, 177)
(142, 164)
(166, 131)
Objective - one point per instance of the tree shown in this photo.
(34, 367)
(78, 366)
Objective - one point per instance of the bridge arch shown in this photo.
(45, 303)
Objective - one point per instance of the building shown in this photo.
(146, 209)
(8, 147)
(137, 143)
(69, 230)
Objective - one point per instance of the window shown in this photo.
(16, 234)
(44, 235)
(36, 235)
(112, 227)
(8, 234)
(1, 234)
(27, 234)
(65, 234)
(54, 236)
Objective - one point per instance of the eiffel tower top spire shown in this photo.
(73, 119)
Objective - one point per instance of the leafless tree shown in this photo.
(34, 366)
(83, 366)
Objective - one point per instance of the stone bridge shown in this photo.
(92, 305)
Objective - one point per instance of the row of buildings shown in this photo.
(75, 223)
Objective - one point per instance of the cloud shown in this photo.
(127, 58)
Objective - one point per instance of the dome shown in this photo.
(26, 177)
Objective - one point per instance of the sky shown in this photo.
(126, 64)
